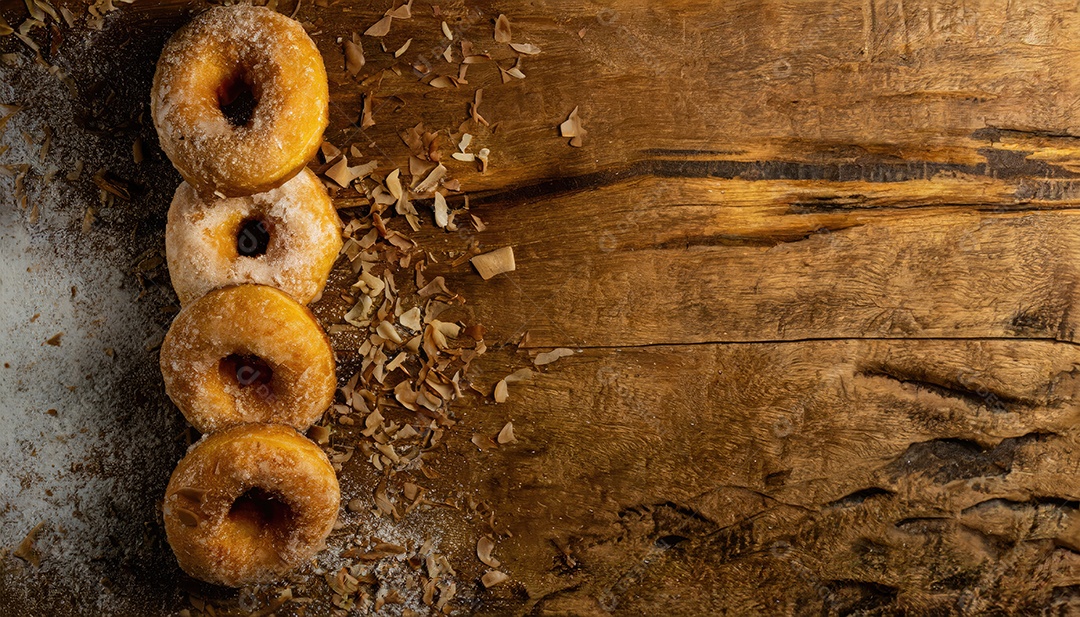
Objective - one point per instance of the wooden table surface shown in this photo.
(817, 262)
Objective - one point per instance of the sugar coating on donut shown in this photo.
(227, 331)
(248, 504)
(202, 235)
(223, 48)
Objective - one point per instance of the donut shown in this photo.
(288, 237)
(248, 504)
(247, 354)
(240, 100)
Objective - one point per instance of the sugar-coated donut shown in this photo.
(248, 354)
(288, 238)
(249, 504)
(240, 100)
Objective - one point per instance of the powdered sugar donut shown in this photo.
(240, 100)
(248, 354)
(288, 238)
(249, 504)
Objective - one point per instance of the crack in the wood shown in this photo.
(993, 134)
(845, 203)
(1001, 164)
(860, 497)
(800, 340)
(765, 240)
(914, 520)
(948, 388)
(1031, 501)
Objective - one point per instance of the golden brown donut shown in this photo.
(240, 100)
(288, 238)
(249, 504)
(248, 354)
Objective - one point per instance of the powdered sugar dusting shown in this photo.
(88, 437)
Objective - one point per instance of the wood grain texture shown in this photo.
(818, 264)
(837, 471)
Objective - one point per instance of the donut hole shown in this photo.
(260, 511)
(238, 99)
(250, 373)
(253, 237)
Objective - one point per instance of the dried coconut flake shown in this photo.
(354, 56)
(493, 577)
(525, 48)
(329, 151)
(367, 117)
(402, 12)
(494, 262)
(502, 30)
(573, 128)
(519, 375)
(380, 28)
(484, 546)
(474, 108)
(506, 435)
(441, 211)
(359, 314)
(393, 183)
(344, 175)
(548, 357)
(432, 180)
(443, 81)
(411, 319)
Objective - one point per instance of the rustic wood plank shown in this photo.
(666, 260)
(818, 83)
(917, 474)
